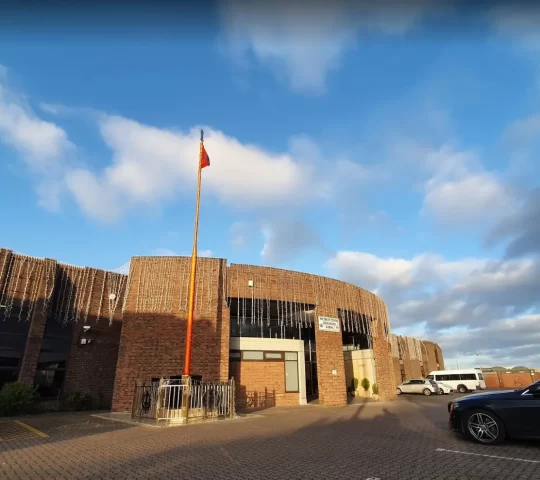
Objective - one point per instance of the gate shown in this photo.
(171, 400)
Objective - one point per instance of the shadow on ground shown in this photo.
(398, 440)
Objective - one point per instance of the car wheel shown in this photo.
(462, 389)
(484, 427)
(441, 392)
(398, 391)
(427, 392)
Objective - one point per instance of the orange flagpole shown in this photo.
(193, 272)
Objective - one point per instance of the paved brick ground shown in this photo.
(387, 441)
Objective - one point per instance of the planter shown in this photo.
(375, 397)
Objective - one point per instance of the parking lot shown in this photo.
(404, 439)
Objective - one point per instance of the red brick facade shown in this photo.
(413, 358)
(154, 324)
(263, 383)
(81, 299)
(138, 325)
(509, 379)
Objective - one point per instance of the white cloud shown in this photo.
(459, 191)
(523, 129)
(465, 305)
(42, 145)
(300, 45)
(152, 165)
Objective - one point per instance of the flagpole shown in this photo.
(193, 271)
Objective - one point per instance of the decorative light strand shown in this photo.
(59, 304)
(90, 293)
(101, 297)
(35, 292)
(29, 273)
(11, 298)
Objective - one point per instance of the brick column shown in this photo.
(332, 387)
(36, 329)
(384, 365)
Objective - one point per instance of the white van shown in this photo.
(464, 381)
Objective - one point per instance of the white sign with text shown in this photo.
(329, 324)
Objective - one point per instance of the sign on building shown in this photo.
(329, 324)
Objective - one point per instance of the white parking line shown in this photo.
(489, 456)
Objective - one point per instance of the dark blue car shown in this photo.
(491, 417)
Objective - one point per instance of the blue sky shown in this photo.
(392, 149)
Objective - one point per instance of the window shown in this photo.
(13, 336)
(291, 372)
(51, 367)
(468, 376)
(273, 356)
(454, 377)
(260, 318)
(252, 355)
(480, 376)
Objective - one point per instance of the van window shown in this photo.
(454, 377)
(468, 376)
(480, 376)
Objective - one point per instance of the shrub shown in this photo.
(16, 398)
(354, 384)
(375, 389)
(77, 402)
(365, 384)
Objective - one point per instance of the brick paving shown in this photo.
(386, 441)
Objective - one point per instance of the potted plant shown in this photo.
(375, 389)
(365, 386)
(354, 386)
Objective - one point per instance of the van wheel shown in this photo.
(484, 427)
(462, 389)
(427, 392)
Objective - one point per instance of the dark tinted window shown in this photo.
(12, 344)
(51, 367)
(468, 376)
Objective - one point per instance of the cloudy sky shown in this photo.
(395, 148)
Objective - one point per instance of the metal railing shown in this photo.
(174, 400)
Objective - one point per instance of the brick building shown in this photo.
(414, 358)
(282, 335)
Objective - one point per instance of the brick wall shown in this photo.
(152, 342)
(397, 371)
(492, 380)
(263, 382)
(429, 356)
(328, 295)
(37, 323)
(384, 366)
(90, 369)
(515, 380)
(147, 340)
(440, 356)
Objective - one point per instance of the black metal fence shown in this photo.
(174, 400)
